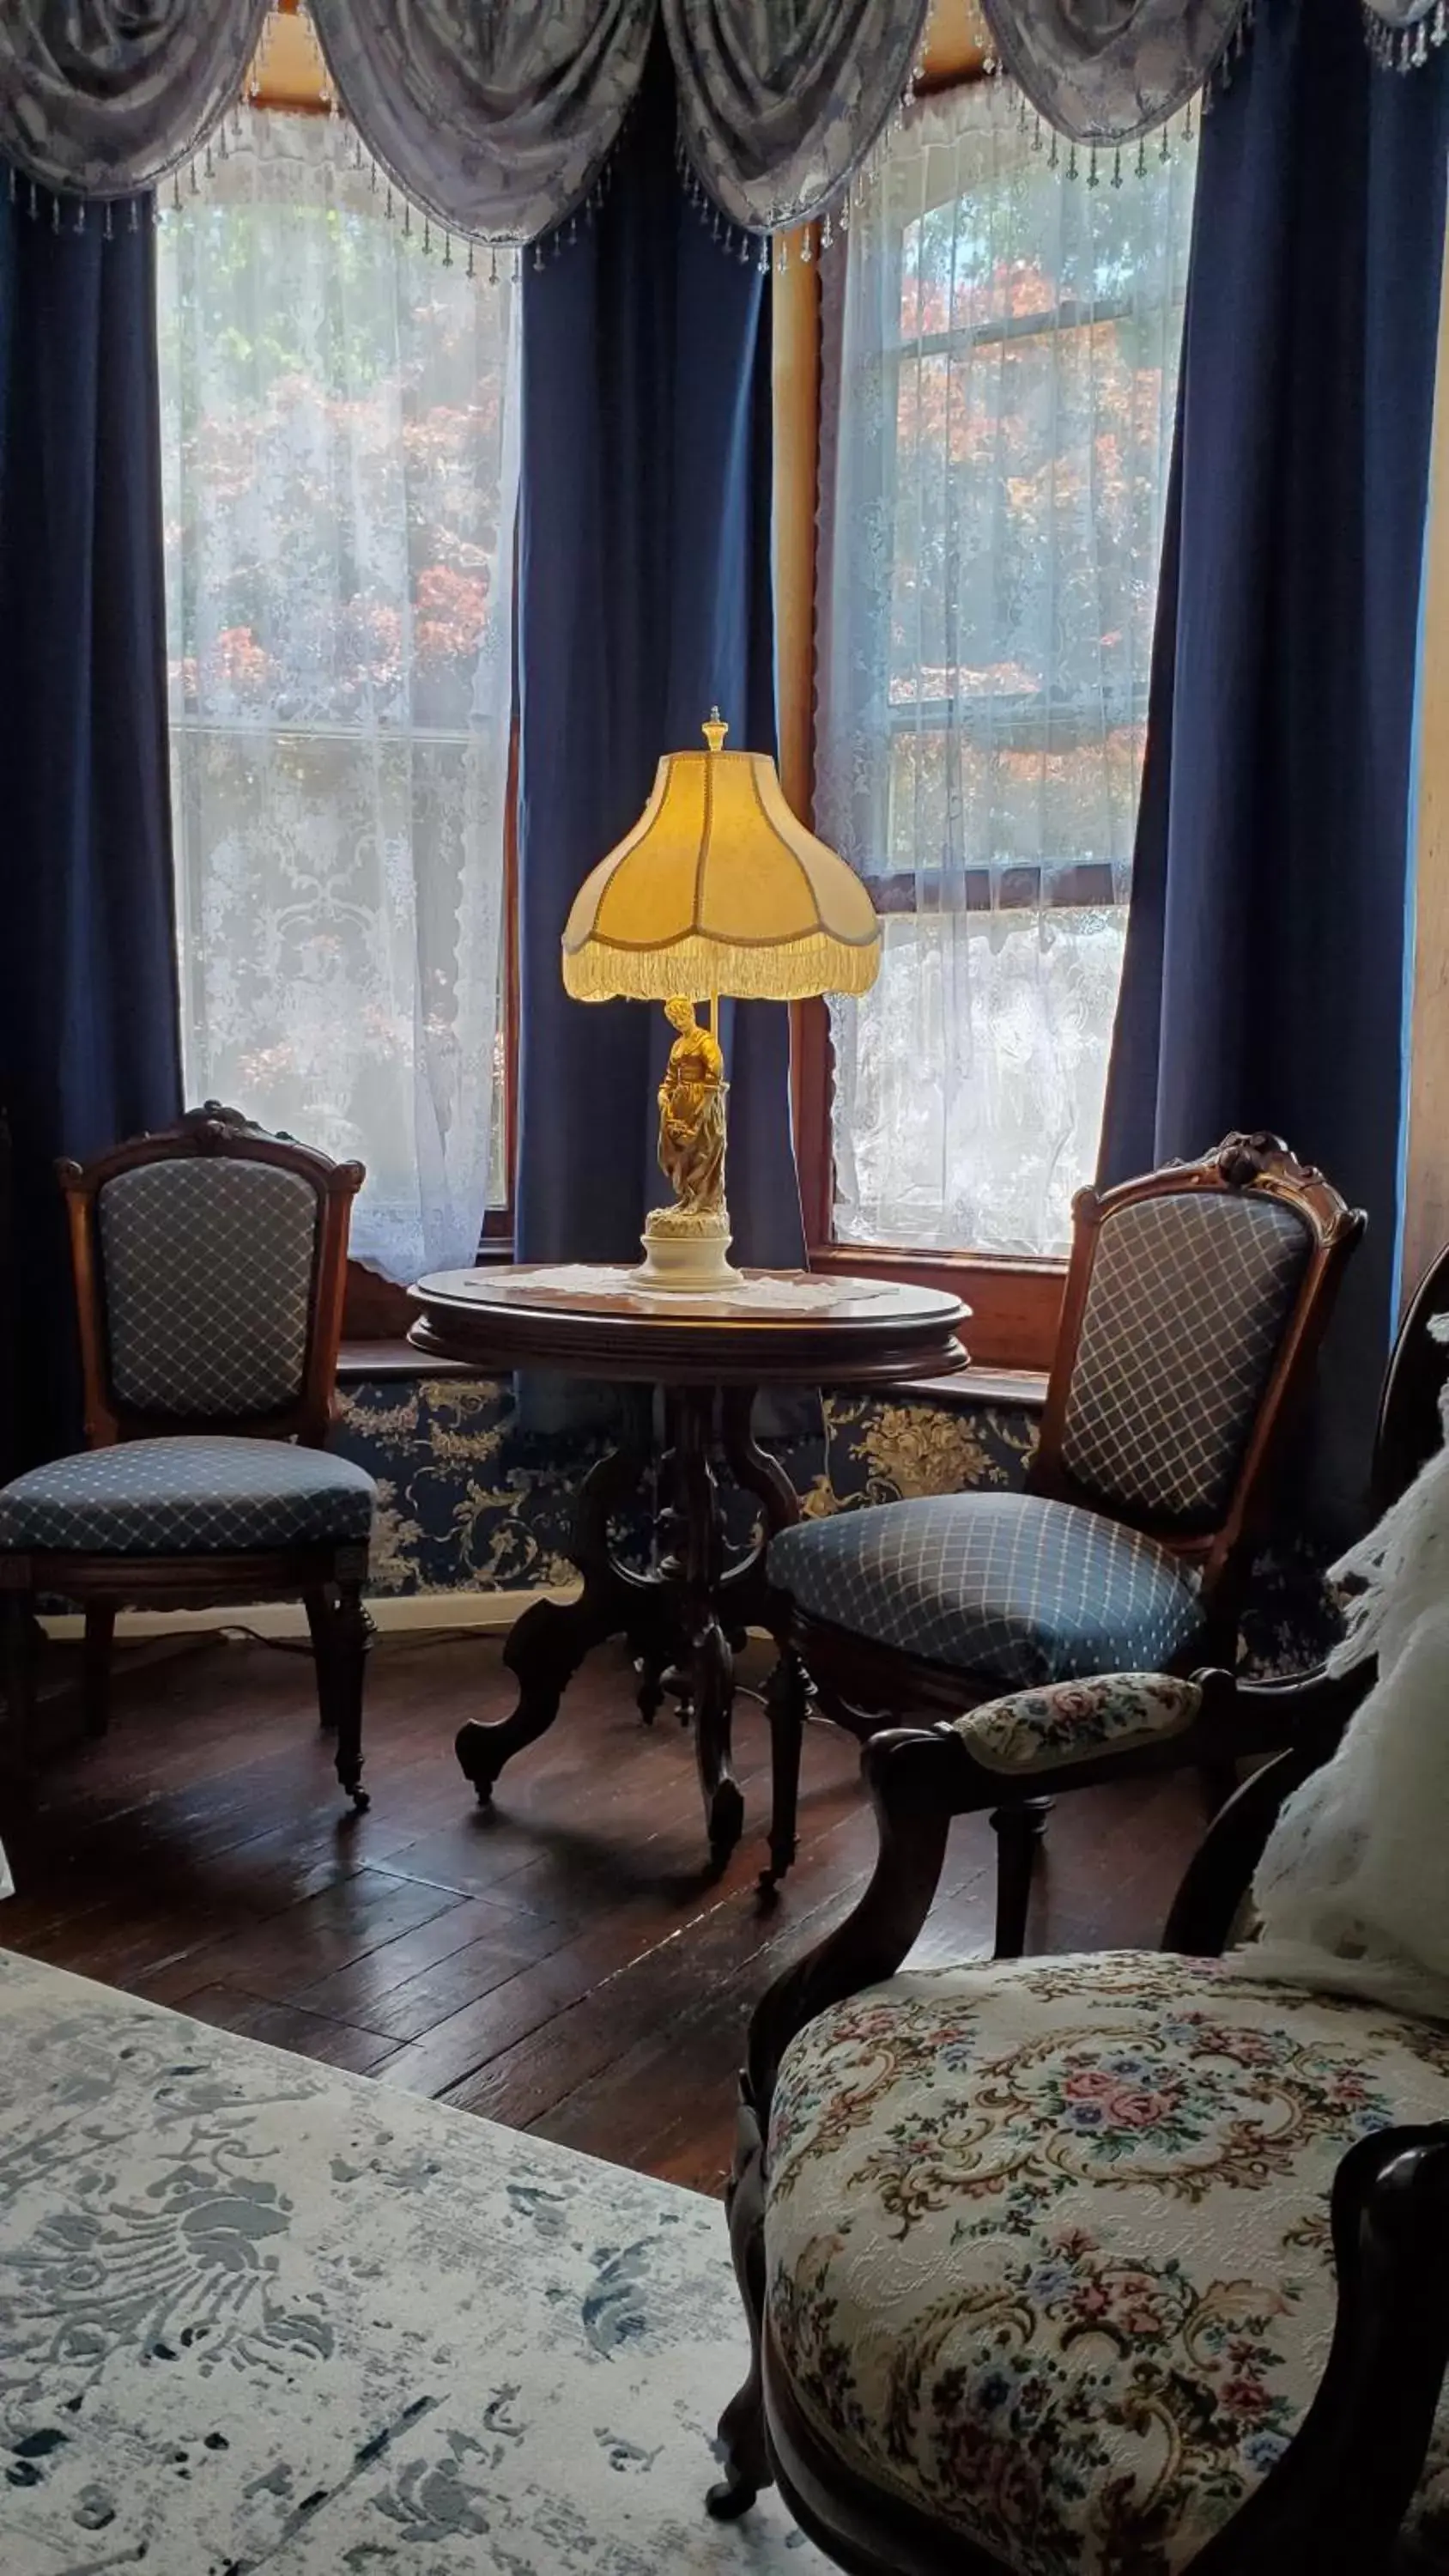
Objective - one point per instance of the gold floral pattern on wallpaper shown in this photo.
(472, 1496)
(915, 1449)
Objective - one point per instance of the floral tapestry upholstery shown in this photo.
(1040, 1730)
(1047, 2242)
(1189, 1298)
(188, 1497)
(207, 1271)
(1005, 1585)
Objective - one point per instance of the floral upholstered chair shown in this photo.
(1097, 2266)
(1195, 1300)
(210, 1262)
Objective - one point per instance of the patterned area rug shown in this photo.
(258, 2315)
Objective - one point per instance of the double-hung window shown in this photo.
(999, 382)
(339, 429)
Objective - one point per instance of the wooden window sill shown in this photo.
(1016, 1306)
(391, 1357)
(967, 1388)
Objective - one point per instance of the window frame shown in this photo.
(1015, 1303)
(291, 80)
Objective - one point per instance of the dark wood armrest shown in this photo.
(1299, 1723)
(1220, 1871)
(1302, 1708)
(918, 1778)
(1333, 2503)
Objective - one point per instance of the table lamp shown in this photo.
(718, 889)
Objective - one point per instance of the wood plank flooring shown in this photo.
(564, 1964)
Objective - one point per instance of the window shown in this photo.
(340, 455)
(1001, 344)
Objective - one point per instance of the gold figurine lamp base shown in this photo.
(718, 889)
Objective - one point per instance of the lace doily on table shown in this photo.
(585, 1284)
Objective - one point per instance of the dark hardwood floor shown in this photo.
(564, 1964)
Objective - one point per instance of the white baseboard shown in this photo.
(396, 1614)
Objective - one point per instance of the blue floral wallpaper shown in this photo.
(473, 1497)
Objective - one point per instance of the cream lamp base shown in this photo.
(685, 1251)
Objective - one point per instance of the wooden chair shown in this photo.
(210, 1262)
(1195, 1301)
(1128, 2263)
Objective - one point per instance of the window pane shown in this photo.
(969, 1081)
(340, 467)
(1004, 341)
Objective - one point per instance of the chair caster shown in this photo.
(732, 2497)
(726, 1821)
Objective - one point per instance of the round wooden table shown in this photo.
(709, 1356)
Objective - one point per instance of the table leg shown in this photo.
(710, 1663)
(786, 1692)
(547, 1645)
(757, 1473)
(660, 1660)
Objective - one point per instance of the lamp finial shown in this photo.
(715, 730)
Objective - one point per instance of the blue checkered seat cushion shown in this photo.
(1017, 1590)
(188, 1496)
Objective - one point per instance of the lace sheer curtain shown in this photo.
(1002, 345)
(341, 461)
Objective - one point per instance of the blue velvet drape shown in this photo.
(644, 597)
(89, 1035)
(1265, 971)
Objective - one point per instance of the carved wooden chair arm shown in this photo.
(1298, 1708)
(1029, 1739)
(1114, 1726)
(1333, 2503)
(1208, 1905)
(918, 1779)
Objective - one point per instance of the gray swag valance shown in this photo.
(497, 116)
(1109, 71)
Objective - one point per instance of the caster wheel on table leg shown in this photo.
(729, 2499)
(474, 1764)
(726, 1820)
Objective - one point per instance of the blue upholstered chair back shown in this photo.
(206, 1267)
(1191, 1295)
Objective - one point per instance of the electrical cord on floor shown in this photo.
(303, 1645)
(415, 1638)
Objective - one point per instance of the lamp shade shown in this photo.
(719, 889)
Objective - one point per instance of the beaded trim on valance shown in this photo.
(497, 117)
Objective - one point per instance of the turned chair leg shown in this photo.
(96, 1666)
(1018, 1831)
(19, 1684)
(787, 1697)
(352, 1636)
(743, 2446)
(341, 1635)
(318, 1602)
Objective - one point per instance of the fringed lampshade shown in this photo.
(719, 889)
